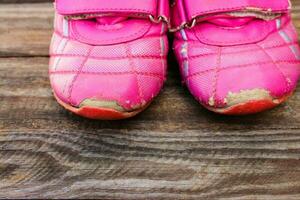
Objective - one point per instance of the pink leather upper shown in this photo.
(196, 8)
(109, 51)
(235, 46)
(186, 10)
(140, 8)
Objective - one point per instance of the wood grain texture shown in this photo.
(174, 150)
(23, 1)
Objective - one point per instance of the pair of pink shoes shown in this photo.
(108, 57)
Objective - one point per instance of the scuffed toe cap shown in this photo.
(229, 79)
(125, 91)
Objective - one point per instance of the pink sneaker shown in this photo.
(108, 57)
(237, 57)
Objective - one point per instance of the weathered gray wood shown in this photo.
(23, 1)
(174, 150)
(25, 29)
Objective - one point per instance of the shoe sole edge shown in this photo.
(100, 113)
(251, 106)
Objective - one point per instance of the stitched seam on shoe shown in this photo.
(263, 34)
(62, 50)
(132, 64)
(279, 8)
(78, 74)
(244, 51)
(111, 10)
(72, 39)
(108, 73)
(216, 78)
(109, 58)
(79, 35)
(277, 67)
(52, 42)
(162, 46)
(240, 66)
(54, 64)
(58, 8)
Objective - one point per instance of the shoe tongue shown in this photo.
(110, 20)
(226, 21)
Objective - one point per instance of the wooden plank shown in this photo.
(23, 1)
(25, 29)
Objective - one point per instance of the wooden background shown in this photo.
(174, 150)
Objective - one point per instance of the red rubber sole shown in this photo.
(99, 113)
(250, 107)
